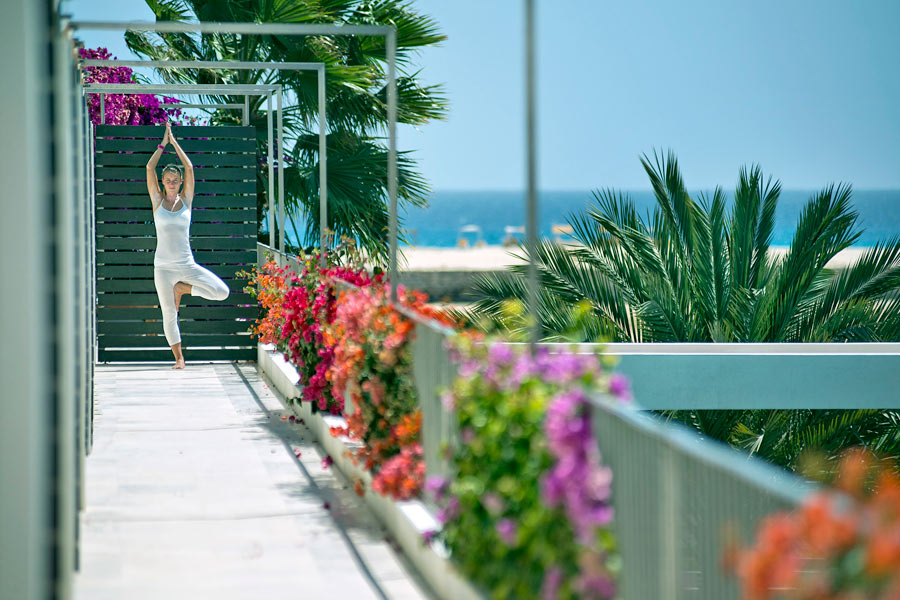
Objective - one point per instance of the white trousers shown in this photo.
(203, 282)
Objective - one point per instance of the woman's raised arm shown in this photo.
(152, 181)
(187, 192)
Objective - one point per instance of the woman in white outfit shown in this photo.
(174, 271)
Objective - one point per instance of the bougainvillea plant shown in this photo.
(123, 109)
(373, 367)
(842, 543)
(268, 284)
(527, 514)
(309, 307)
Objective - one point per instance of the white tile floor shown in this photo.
(193, 491)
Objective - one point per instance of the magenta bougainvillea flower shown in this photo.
(124, 109)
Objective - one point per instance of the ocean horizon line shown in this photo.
(639, 190)
(492, 216)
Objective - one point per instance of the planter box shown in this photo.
(406, 521)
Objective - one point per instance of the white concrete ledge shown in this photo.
(283, 375)
(406, 521)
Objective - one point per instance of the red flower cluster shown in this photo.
(309, 306)
(839, 545)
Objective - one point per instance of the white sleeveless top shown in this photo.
(172, 231)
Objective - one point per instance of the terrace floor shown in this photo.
(193, 490)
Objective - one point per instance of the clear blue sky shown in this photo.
(808, 88)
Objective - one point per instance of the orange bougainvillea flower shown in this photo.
(268, 284)
(826, 531)
(854, 469)
(372, 364)
(796, 553)
(883, 552)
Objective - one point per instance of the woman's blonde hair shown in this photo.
(169, 168)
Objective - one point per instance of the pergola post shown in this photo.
(391, 50)
(323, 171)
(531, 208)
(281, 211)
(271, 172)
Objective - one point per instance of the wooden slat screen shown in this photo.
(223, 239)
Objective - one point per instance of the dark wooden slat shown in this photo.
(198, 159)
(185, 325)
(197, 229)
(246, 258)
(142, 200)
(129, 257)
(200, 174)
(189, 146)
(199, 243)
(105, 243)
(198, 215)
(207, 187)
(166, 355)
(146, 285)
(126, 271)
(187, 339)
(185, 312)
(149, 299)
(180, 131)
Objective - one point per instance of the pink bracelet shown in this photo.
(160, 146)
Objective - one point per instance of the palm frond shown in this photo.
(826, 226)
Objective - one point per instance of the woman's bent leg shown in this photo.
(165, 279)
(205, 283)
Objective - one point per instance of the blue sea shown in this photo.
(439, 224)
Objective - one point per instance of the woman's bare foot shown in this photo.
(181, 288)
(179, 357)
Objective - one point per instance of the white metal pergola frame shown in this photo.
(318, 67)
(245, 90)
(389, 32)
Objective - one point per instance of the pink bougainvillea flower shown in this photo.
(507, 530)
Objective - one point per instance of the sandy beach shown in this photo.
(494, 258)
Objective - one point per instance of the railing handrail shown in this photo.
(736, 348)
(756, 471)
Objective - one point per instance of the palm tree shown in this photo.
(692, 271)
(689, 272)
(356, 101)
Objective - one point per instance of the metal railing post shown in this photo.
(80, 298)
(26, 430)
(65, 380)
(92, 275)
